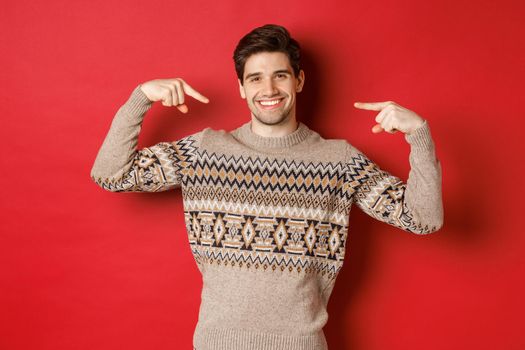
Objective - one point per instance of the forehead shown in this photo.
(266, 62)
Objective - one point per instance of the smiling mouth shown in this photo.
(270, 104)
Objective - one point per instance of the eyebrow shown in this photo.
(287, 71)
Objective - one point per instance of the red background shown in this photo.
(81, 268)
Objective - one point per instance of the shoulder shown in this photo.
(200, 135)
(323, 149)
(347, 151)
(209, 138)
(339, 147)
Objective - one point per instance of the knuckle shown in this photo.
(389, 105)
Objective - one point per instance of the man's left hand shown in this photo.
(392, 117)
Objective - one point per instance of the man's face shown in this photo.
(270, 87)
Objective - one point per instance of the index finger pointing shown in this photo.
(194, 93)
(372, 106)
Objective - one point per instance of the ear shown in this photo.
(300, 81)
(241, 89)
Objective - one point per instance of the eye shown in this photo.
(255, 79)
(281, 75)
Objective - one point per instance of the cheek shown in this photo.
(290, 89)
(249, 94)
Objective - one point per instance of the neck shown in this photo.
(284, 128)
(273, 130)
(246, 135)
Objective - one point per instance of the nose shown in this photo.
(269, 88)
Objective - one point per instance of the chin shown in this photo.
(271, 121)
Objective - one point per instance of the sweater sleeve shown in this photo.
(415, 206)
(120, 167)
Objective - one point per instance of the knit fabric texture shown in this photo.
(267, 218)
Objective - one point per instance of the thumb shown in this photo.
(377, 128)
(183, 108)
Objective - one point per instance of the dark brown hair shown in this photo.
(268, 38)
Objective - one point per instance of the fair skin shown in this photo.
(268, 78)
(270, 88)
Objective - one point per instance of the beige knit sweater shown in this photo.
(267, 218)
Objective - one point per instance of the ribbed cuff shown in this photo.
(421, 138)
(237, 339)
(138, 103)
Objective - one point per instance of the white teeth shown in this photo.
(269, 103)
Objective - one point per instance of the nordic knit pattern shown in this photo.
(267, 218)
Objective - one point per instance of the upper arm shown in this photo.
(382, 195)
(156, 168)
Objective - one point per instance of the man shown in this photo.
(267, 204)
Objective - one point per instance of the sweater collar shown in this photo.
(245, 134)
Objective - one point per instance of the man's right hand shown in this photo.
(171, 92)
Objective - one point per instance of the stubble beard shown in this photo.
(282, 117)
